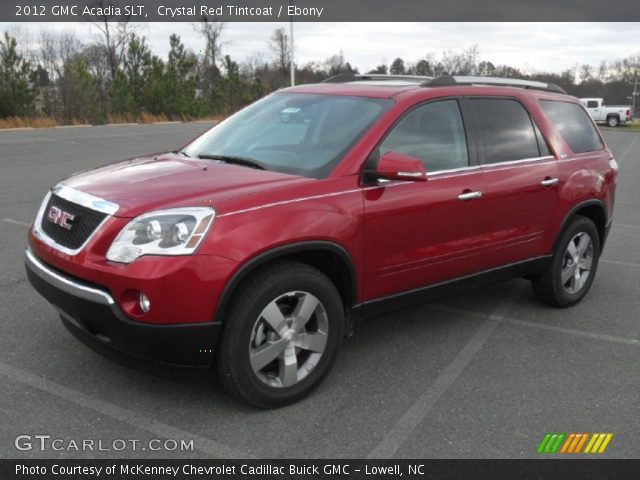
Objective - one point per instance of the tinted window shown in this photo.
(505, 129)
(592, 104)
(574, 124)
(432, 132)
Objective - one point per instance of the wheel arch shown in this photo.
(328, 257)
(594, 210)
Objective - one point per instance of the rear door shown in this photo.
(419, 233)
(521, 177)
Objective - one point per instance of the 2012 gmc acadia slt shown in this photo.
(256, 246)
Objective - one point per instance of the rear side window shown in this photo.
(592, 104)
(505, 129)
(574, 124)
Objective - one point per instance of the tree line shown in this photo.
(118, 78)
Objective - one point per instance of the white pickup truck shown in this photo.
(612, 115)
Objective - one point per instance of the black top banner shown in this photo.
(320, 10)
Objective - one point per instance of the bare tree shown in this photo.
(115, 36)
(253, 64)
(463, 63)
(114, 39)
(23, 36)
(279, 45)
(585, 73)
(56, 49)
(211, 32)
(96, 59)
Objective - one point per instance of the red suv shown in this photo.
(257, 246)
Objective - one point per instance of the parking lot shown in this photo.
(482, 374)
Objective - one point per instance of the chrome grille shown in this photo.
(83, 225)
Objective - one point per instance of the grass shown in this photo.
(35, 122)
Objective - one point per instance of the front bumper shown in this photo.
(91, 313)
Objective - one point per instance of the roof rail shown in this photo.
(448, 80)
(357, 77)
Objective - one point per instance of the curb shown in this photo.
(620, 129)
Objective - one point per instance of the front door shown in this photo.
(420, 233)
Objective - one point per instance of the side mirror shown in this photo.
(398, 166)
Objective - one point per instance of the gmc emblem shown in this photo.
(60, 217)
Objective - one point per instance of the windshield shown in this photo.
(295, 133)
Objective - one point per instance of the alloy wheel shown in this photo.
(288, 339)
(577, 262)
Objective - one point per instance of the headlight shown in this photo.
(177, 231)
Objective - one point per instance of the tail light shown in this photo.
(629, 113)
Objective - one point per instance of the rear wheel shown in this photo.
(281, 336)
(573, 267)
(613, 121)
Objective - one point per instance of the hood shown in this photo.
(169, 180)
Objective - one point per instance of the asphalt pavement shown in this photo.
(484, 374)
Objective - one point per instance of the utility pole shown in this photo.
(292, 66)
(634, 95)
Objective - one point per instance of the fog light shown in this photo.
(144, 302)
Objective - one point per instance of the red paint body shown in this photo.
(399, 235)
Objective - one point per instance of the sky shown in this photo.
(532, 47)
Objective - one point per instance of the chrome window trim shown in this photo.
(65, 284)
(488, 165)
(84, 199)
(516, 162)
(454, 170)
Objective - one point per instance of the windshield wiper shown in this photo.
(248, 162)
(182, 152)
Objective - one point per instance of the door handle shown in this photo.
(466, 196)
(549, 182)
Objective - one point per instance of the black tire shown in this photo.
(261, 289)
(549, 287)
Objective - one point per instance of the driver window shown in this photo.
(432, 132)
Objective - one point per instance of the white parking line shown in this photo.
(628, 149)
(403, 429)
(627, 225)
(212, 448)
(616, 262)
(543, 326)
(16, 222)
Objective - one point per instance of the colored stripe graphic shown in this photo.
(551, 442)
(598, 443)
(565, 447)
(573, 442)
(581, 443)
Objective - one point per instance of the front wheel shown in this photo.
(573, 267)
(281, 336)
